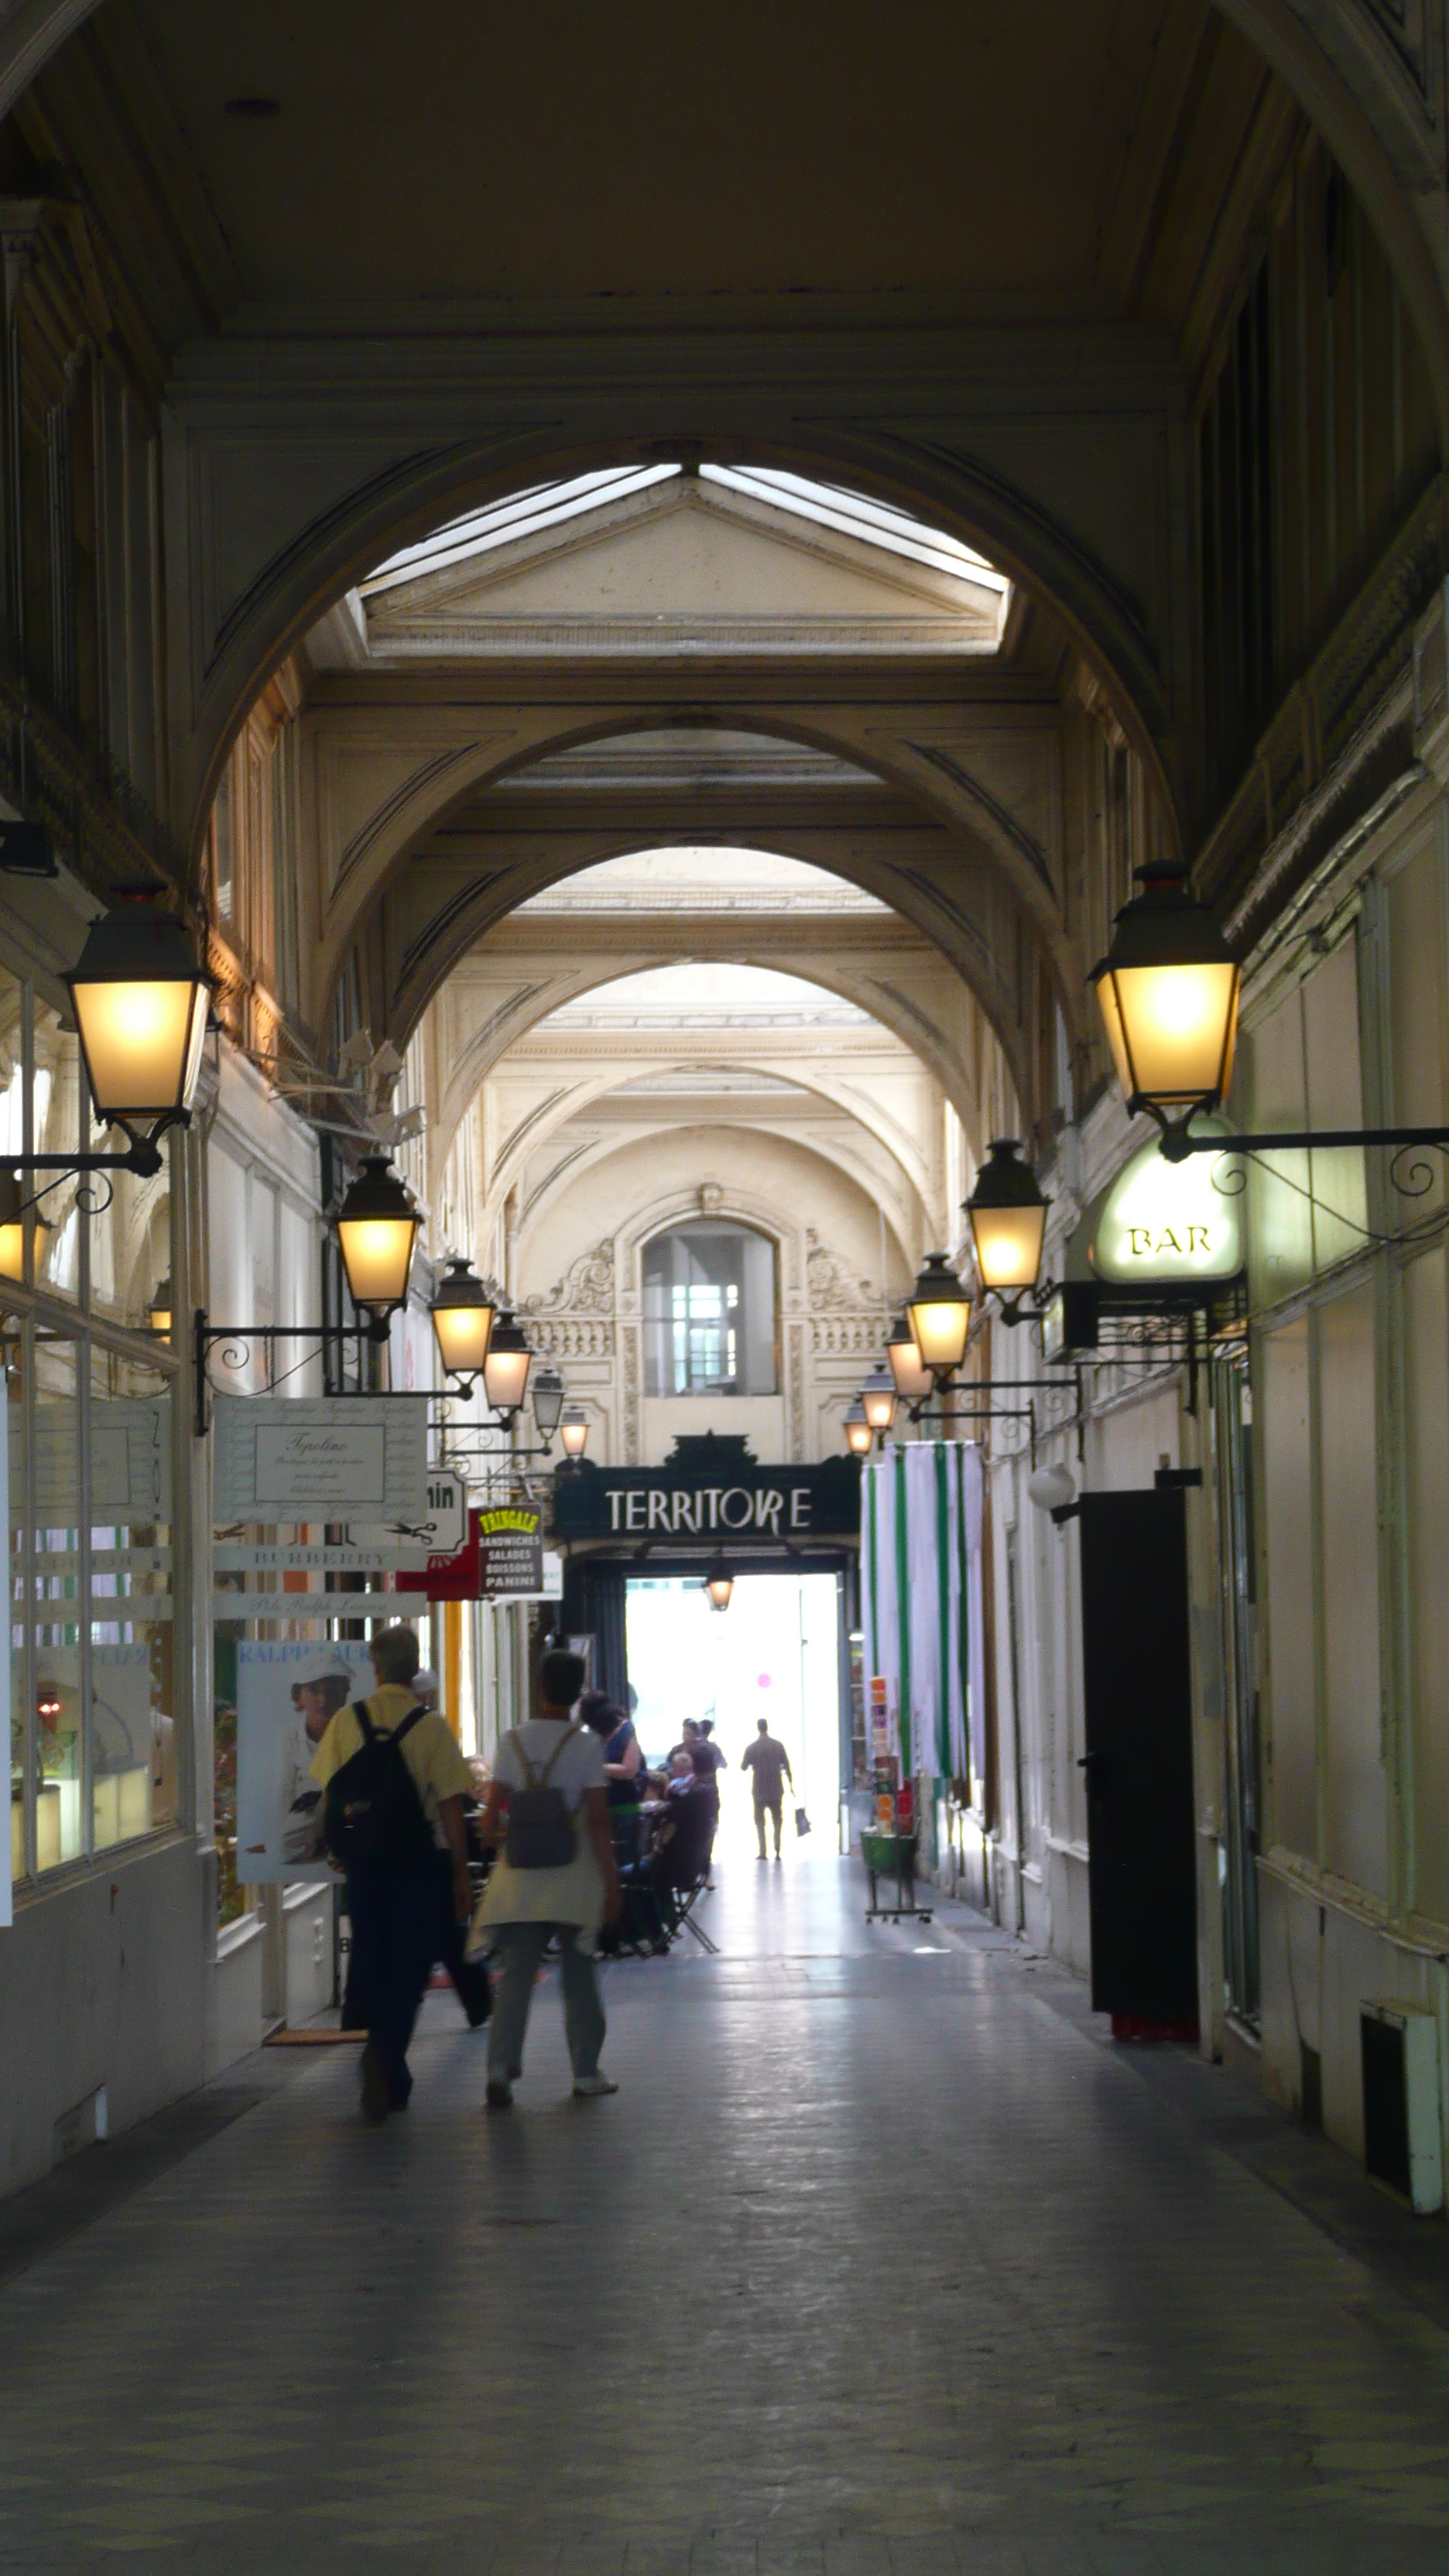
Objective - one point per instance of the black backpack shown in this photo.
(541, 1831)
(372, 1816)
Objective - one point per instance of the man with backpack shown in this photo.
(556, 1875)
(391, 1775)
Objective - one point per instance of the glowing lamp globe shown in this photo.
(573, 1430)
(719, 1583)
(505, 1370)
(858, 1433)
(911, 1377)
(1008, 1215)
(462, 1313)
(140, 1003)
(1168, 990)
(879, 1399)
(377, 1228)
(939, 1315)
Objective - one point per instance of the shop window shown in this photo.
(710, 1312)
(133, 1746)
(56, 1607)
(87, 1466)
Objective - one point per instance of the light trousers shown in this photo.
(520, 1948)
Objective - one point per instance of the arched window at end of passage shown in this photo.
(710, 1305)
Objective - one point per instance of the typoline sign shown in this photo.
(1170, 1221)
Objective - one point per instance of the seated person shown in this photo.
(686, 1831)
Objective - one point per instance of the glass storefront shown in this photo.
(90, 1426)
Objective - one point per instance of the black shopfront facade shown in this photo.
(710, 1499)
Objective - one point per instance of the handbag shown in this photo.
(802, 1821)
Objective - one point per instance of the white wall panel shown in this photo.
(1288, 1535)
(1356, 1803)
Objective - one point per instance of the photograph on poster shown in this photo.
(285, 1696)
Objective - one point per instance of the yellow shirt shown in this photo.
(429, 1749)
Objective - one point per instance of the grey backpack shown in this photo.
(540, 1828)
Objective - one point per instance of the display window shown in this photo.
(91, 1395)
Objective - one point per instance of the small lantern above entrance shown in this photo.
(573, 1430)
(719, 1583)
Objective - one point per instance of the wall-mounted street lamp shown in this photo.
(573, 1432)
(938, 1312)
(377, 1230)
(1007, 1212)
(912, 1378)
(879, 1399)
(140, 1003)
(506, 1367)
(859, 1437)
(377, 1227)
(548, 1403)
(1169, 990)
(158, 1313)
(462, 1323)
(719, 1583)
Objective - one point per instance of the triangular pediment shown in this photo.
(683, 566)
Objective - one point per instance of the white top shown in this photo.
(575, 1893)
(579, 1768)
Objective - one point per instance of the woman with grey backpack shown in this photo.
(554, 1876)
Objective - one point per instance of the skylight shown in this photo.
(827, 505)
(854, 516)
(544, 505)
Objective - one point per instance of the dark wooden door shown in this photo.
(1142, 1878)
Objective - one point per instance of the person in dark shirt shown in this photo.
(770, 1764)
(623, 1761)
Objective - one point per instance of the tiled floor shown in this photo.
(882, 2263)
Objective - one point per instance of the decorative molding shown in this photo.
(848, 1337)
(586, 1288)
(566, 1337)
(795, 1391)
(633, 1376)
(829, 1287)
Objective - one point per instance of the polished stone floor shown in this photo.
(883, 2262)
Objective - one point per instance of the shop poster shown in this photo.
(286, 1695)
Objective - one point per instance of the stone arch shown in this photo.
(940, 1061)
(577, 1101)
(422, 971)
(305, 576)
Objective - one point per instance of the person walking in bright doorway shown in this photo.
(769, 1763)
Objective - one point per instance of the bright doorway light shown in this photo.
(776, 1656)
